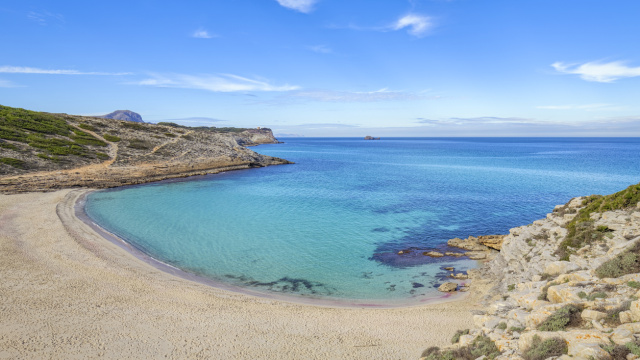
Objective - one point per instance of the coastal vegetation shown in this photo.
(581, 230)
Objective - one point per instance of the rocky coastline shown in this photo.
(104, 153)
(551, 300)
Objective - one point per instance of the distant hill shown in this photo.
(126, 115)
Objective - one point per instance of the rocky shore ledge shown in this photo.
(46, 152)
(566, 287)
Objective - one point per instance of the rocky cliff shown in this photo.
(41, 151)
(566, 287)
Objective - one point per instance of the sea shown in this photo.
(328, 229)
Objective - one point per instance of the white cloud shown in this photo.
(354, 96)
(586, 107)
(30, 70)
(304, 6)
(215, 83)
(418, 25)
(483, 120)
(322, 49)
(599, 72)
(202, 34)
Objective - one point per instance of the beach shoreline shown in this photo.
(63, 280)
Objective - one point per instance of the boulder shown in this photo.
(625, 317)
(560, 267)
(622, 336)
(590, 315)
(476, 255)
(459, 276)
(448, 287)
(455, 254)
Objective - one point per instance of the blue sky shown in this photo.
(333, 67)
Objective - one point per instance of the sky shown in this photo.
(333, 67)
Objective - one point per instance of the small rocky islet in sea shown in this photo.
(564, 287)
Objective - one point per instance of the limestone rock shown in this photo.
(622, 336)
(625, 317)
(589, 315)
(448, 287)
(492, 241)
(635, 310)
(469, 244)
(476, 255)
(560, 267)
(459, 276)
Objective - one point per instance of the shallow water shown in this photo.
(331, 225)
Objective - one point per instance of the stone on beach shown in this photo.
(448, 287)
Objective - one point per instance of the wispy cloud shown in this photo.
(322, 49)
(416, 25)
(585, 107)
(214, 83)
(31, 70)
(8, 84)
(483, 120)
(304, 6)
(202, 34)
(43, 17)
(597, 71)
(354, 96)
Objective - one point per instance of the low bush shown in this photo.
(83, 138)
(634, 284)
(625, 263)
(566, 316)
(132, 125)
(87, 127)
(6, 145)
(545, 289)
(481, 346)
(456, 337)
(16, 163)
(140, 144)
(111, 138)
(502, 326)
(102, 156)
(170, 135)
(541, 350)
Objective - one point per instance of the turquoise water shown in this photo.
(330, 226)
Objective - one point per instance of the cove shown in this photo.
(330, 226)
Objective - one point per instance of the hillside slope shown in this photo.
(42, 151)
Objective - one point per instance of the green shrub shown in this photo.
(6, 145)
(582, 295)
(87, 127)
(613, 315)
(111, 138)
(83, 138)
(634, 348)
(568, 315)
(516, 329)
(482, 345)
(168, 134)
(634, 284)
(50, 158)
(132, 125)
(625, 263)
(140, 144)
(55, 146)
(541, 350)
(102, 156)
(16, 163)
(456, 337)
(596, 295)
(502, 326)
(511, 287)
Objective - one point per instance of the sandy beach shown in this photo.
(67, 293)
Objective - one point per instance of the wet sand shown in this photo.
(67, 292)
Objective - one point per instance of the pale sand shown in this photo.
(81, 296)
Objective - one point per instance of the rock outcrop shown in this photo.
(573, 306)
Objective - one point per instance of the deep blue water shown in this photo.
(331, 225)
